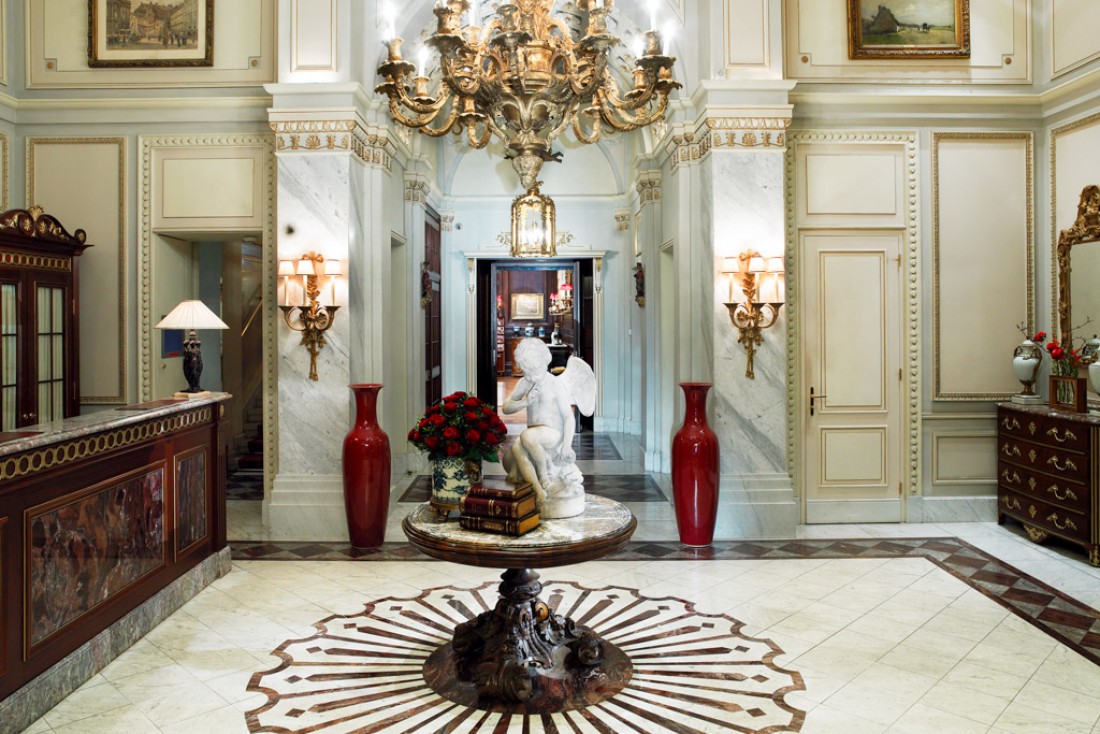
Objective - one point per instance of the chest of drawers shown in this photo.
(1048, 473)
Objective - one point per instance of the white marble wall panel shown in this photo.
(748, 415)
(314, 202)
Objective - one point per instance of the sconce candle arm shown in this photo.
(313, 318)
(751, 316)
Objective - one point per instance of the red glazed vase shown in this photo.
(695, 469)
(366, 471)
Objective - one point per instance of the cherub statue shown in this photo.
(544, 455)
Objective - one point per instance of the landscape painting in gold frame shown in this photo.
(900, 29)
(527, 307)
(151, 33)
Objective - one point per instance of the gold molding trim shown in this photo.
(749, 133)
(122, 396)
(938, 393)
(934, 440)
(41, 459)
(1055, 133)
(318, 136)
(648, 185)
(5, 171)
(912, 301)
(417, 189)
(40, 262)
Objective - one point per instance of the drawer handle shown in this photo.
(1032, 511)
(1066, 494)
(1067, 525)
(1010, 424)
(1010, 450)
(1068, 436)
(1069, 465)
(1032, 455)
(1011, 503)
(1032, 427)
(1012, 478)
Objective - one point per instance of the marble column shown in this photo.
(743, 201)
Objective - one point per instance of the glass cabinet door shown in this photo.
(50, 332)
(9, 356)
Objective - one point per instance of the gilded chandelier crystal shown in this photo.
(526, 80)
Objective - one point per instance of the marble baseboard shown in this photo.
(952, 509)
(306, 508)
(603, 424)
(29, 703)
(658, 461)
(756, 506)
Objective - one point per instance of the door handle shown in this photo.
(813, 398)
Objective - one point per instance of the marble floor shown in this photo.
(848, 629)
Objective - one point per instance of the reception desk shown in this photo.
(98, 514)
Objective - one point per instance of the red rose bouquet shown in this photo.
(460, 426)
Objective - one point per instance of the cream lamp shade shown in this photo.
(305, 267)
(191, 315)
(334, 267)
(286, 268)
(730, 265)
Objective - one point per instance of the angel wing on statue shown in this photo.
(544, 454)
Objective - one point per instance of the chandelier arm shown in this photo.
(471, 137)
(423, 124)
(578, 129)
(623, 121)
(419, 107)
(615, 98)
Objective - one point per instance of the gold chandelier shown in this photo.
(526, 80)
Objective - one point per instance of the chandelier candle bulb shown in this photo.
(653, 14)
(652, 43)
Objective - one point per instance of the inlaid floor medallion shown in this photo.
(687, 672)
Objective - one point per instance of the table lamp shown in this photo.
(192, 315)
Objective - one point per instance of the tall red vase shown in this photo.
(695, 469)
(366, 471)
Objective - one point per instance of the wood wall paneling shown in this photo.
(82, 182)
(1074, 40)
(816, 43)
(983, 255)
(56, 42)
(218, 187)
(747, 29)
(964, 458)
(844, 185)
(313, 35)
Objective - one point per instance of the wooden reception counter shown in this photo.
(98, 513)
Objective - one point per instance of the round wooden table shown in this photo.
(521, 655)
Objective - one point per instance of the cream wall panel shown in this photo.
(57, 49)
(983, 260)
(313, 35)
(1075, 163)
(964, 458)
(854, 456)
(747, 31)
(196, 188)
(5, 171)
(1000, 38)
(846, 184)
(208, 188)
(854, 369)
(1074, 39)
(850, 185)
(82, 182)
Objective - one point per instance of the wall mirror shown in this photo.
(1079, 268)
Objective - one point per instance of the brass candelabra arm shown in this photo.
(751, 319)
(312, 322)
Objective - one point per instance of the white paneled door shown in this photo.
(852, 398)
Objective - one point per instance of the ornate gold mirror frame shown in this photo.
(1086, 228)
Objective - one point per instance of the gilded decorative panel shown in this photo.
(191, 501)
(83, 552)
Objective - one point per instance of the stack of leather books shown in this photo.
(498, 506)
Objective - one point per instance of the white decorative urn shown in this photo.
(1094, 382)
(1026, 361)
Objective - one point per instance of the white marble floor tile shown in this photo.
(1021, 719)
(922, 719)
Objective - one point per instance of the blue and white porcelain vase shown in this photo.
(451, 480)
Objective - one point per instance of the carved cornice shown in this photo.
(622, 220)
(446, 221)
(34, 222)
(648, 184)
(417, 188)
(373, 147)
(751, 133)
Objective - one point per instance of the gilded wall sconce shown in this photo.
(310, 317)
(757, 292)
(639, 285)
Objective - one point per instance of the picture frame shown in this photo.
(528, 307)
(1069, 393)
(892, 29)
(154, 34)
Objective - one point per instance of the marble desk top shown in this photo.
(1046, 410)
(604, 526)
(45, 434)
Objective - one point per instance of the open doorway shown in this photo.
(544, 299)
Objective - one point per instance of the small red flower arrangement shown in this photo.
(460, 426)
(1066, 358)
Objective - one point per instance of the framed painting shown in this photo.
(527, 307)
(899, 29)
(150, 33)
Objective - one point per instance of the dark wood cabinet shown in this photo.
(1048, 474)
(39, 349)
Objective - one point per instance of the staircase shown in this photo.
(248, 448)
